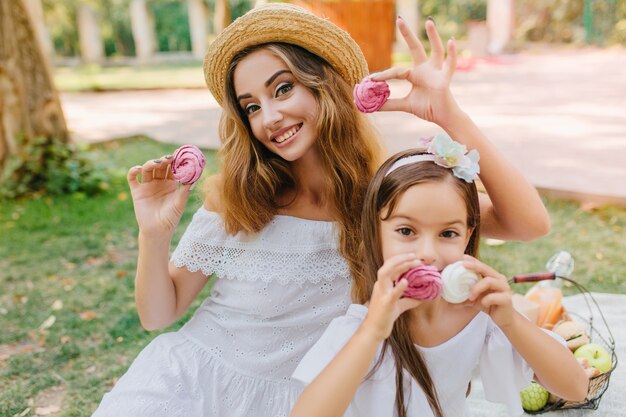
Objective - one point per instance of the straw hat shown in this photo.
(280, 22)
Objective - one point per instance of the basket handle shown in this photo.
(534, 277)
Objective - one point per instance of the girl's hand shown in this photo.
(430, 97)
(386, 304)
(158, 200)
(492, 293)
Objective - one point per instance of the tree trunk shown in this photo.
(90, 38)
(221, 17)
(35, 11)
(197, 11)
(144, 35)
(29, 103)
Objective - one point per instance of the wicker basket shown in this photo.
(602, 336)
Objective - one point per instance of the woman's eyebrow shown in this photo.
(273, 77)
(267, 83)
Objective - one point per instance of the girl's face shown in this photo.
(430, 220)
(282, 112)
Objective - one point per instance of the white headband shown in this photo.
(447, 153)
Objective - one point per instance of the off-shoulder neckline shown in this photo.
(279, 216)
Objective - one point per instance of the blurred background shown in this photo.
(89, 88)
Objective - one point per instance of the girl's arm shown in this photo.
(332, 390)
(553, 364)
(162, 292)
(513, 209)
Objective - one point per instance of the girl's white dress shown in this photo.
(481, 343)
(276, 293)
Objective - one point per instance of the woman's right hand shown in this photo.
(386, 303)
(158, 200)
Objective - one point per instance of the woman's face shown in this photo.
(282, 112)
(430, 220)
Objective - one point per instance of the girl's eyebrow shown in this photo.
(409, 218)
(267, 83)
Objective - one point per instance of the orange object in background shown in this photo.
(549, 299)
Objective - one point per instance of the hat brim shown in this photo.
(280, 22)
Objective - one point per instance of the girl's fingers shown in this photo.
(436, 45)
(450, 65)
(415, 46)
(487, 286)
(398, 290)
(396, 266)
(494, 299)
(408, 303)
(477, 266)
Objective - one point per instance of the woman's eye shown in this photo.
(449, 234)
(283, 89)
(405, 231)
(251, 108)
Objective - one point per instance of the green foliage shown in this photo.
(473, 9)
(172, 25)
(551, 20)
(116, 28)
(49, 165)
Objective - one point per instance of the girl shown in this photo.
(280, 222)
(403, 357)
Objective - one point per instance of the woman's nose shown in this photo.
(271, 116)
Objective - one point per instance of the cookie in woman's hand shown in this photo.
(370, 95)
(187, 164)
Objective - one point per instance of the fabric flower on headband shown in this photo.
(445, 152)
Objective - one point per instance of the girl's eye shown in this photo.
(405, 231)
(251, 108)
(283, 89)
(449, 234)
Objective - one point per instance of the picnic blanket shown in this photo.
(613, 402)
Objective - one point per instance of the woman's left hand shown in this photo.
(492, 294)
(430, 97)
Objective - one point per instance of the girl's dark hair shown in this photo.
(383, 193)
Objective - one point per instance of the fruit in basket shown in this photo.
(573, 332)
(549, 300)
(534, 397)
(589, 370)
(596, 355)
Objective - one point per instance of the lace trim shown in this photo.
(287, 250)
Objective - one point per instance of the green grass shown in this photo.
(156, 76)
(98, 78)
(73, 257)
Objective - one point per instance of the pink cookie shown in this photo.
(187, 164)
(424, 282)
(370, 95)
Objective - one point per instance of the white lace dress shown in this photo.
(276, 293)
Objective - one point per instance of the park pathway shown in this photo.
(558, 115)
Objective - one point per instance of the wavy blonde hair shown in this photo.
(253, 178)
